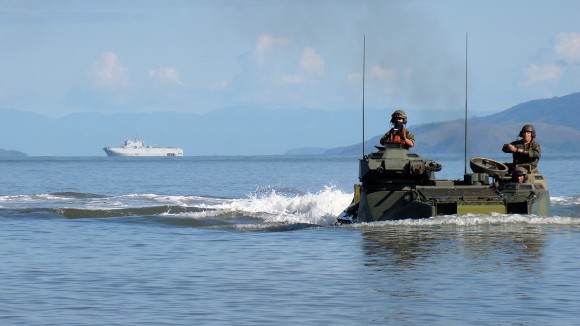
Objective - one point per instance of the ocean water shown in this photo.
(252, 241)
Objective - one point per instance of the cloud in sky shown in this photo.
(277, 71)
(218, 85)
(104, 87)
(311, 66)
(165, 76)
(201, 56)
(311, 61)
(563, 59)
(266, 46)
(542, 73)
(107, 87)
(567, 47)
(107, 72)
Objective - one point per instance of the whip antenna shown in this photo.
(465, 135)
(363, 97)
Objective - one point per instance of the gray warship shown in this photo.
(396, 183)
(137, 147)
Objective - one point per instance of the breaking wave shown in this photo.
(268, 209)
(311, 208)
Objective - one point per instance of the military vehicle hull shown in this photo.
(398, 184)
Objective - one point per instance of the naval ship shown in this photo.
(136, 147)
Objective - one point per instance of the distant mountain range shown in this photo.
(229, 131)
(264, 131)
(556, 120)
(250, 130)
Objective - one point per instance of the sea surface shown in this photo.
(251, 240)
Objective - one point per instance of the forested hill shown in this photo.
(557, 123)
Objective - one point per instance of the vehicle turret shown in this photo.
(394, 164)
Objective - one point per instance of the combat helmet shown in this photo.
(518, 172)
(399, 114)
(529, 128)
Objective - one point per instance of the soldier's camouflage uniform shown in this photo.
(529, 157)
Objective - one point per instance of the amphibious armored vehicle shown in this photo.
(398, 184)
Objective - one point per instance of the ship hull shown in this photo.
(154, 152)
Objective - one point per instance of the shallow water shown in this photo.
(251, 240)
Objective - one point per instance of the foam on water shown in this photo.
(267, 208)
(565, 200)
(477, 219)
(311, 208)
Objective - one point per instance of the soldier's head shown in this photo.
(399, 114)
(519, 174)
(528, 128)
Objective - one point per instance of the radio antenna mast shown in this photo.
(363, 96)
(465, 135)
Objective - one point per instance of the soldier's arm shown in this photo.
(384, 139)
(409, 139)
(508, 148)
(535, 150)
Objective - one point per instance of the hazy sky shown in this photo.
(59, 56)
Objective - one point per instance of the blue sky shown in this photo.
(60, 57)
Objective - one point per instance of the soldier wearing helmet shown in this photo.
(519, 175)
(526, 151)
(399, 133)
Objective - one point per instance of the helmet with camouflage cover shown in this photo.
(399, 114)
(529, 128)
(520, 171)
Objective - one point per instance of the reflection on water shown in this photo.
(476, 273)
(404, 245)
(398, 245)
(508, 273)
